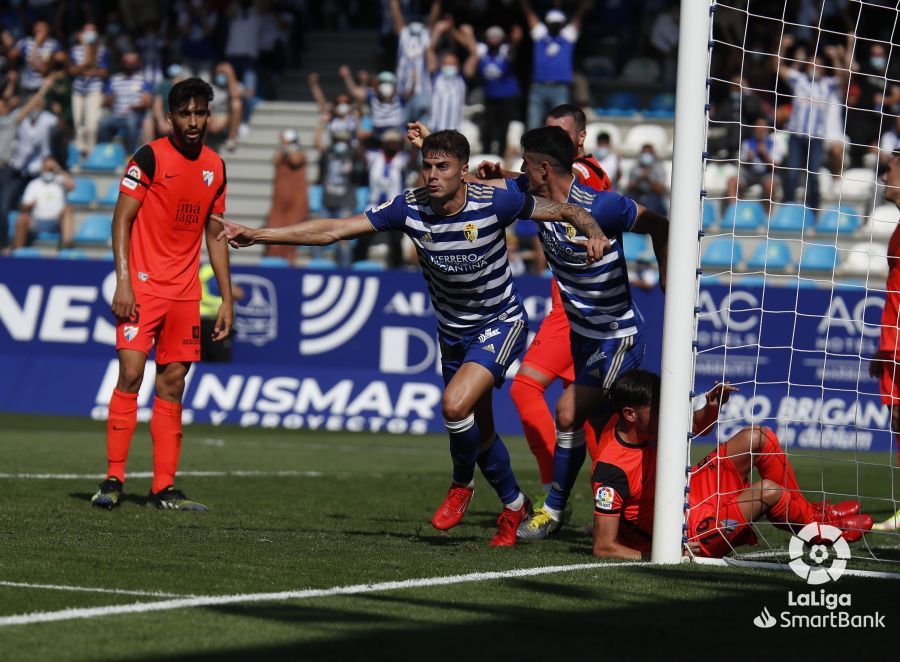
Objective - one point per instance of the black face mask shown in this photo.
(554, 29)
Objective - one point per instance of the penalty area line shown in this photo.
(93, 589)
(243, 598)
(186, 474)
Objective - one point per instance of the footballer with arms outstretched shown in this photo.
(458, 229)
(170, 188)
(723, 502)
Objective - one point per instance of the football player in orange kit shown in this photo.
(170, 188)
(885, 363)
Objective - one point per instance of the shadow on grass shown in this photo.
(655, 614)
(127, 497)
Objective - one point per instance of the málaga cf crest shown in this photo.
(471, 232)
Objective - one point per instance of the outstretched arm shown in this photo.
(582, 9)
(650, 223)
(548, 211)
(397, 16)
(530, 17)
(319, 232)
(358, 91)
(218, 259)
(708, 414)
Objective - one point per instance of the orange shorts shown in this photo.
(715, 519)
(174, 326)
(551, 352)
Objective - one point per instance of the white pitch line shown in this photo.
(149, 474)
(357, 589)
(740, 563)
(91, 589)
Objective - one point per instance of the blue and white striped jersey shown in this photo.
(463, 256)
(127, 91)
(597, 297)
(88, 84)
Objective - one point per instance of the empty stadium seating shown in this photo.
(105, 157)
(722, 252)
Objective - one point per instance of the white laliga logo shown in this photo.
(817, 573)
(334, 309)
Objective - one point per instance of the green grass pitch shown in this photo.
(355, 509)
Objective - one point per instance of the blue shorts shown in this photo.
(495, 347)
(598, 363)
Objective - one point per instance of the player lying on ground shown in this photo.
(606, 329)
(885, 365)
(722, 500)
(458, 229)
(170, 188)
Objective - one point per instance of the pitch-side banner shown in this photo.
(345, 350)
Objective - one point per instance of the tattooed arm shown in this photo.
(548, 211)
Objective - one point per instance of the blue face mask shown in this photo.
(877, 63)
(174, 70)
(221, 80)
(341, 148)
(449, 70)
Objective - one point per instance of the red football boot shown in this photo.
(854, 526)
(508, 524)
(451, 511)
(834, 511)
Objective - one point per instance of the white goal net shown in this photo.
(803, 117)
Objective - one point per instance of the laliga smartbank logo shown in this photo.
(819, 555)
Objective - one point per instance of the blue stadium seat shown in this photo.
(315, 199)
(791, 218)
(94, 229)
(839, 218)
(710, 213)
(723, 252)
(84, 193)
(816, 257)
(73, 156)
(620, 103)
(367, 265)
(105, 157)
(771, 254)
(51, 237)
(71, 254)
(744, 215)
(273, 261)
(634, 246)
(27, 251)
(111, 196)
(662, 105)
(362, 199)
(321, 263)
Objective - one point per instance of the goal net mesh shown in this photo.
(803, 115)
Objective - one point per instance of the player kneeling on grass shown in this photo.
(723, 502)
(458, 229)
(170, 188)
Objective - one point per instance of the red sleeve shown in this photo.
(139, 174)
(218, 206)
(889, 321)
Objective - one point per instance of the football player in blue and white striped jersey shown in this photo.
(458, 229)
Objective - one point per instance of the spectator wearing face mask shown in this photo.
(554, 50)
(290, 199)
(242, 44)
(496, 66)
(44, 207)
(448, 86)
(414, 38)
(608, 159)
(226, 107)
(339, 116)
(385, 102)
(387, 172)
(35, 53)
(128, 98)
(341, 173)
(156, 124)
(89, 66)
(647, 183)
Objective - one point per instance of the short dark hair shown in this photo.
(569, 110)
(190, 88)
(635, 388)
(449, 142)
(552, 144)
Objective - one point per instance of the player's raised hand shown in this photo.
(596, 246)
(123, 300)
(720, 392)
(237, 235)
(489, 170)
(416, 133)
